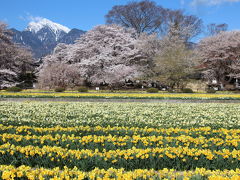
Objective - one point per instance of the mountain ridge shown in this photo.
(42, 36)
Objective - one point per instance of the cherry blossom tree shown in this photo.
(220, 54)
(235, 69)
(58, 74)
(14, 60)
(107, 54)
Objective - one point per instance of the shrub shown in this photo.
(82, 89)
(171, 91)
(187, 90)
(211, 91)
(14, 89)
(236, 92)
(152, 90)
(59, 89)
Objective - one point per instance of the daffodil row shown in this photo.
(181, 158)
(151, 115)
(119, 95)
(121, 131)
(9, 172)
(121, 142)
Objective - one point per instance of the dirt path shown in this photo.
(119, 100)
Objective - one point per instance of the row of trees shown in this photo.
(140, 41)
(110, 54)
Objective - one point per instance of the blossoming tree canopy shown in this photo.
(220, 54)
(108, 53)
(14, 60)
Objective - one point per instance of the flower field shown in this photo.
(138, 95)
(66, 140)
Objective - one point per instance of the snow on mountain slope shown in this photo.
(42, 35)
(40, 23)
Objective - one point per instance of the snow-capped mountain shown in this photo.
(42, 36)
(35, 26)
(42, 23)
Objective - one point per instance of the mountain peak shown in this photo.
(40, 23)
(42, 35)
